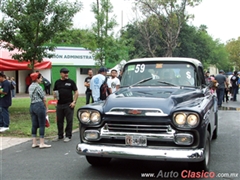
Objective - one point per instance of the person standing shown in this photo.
(28, 82)
(113, 81)
(120, 74)
(87, 85)
(96, 83)
(63, 91)
(14, 86)
(47, 85)
(226, 91)
(207, 77)
(221, 79)
(234, 82)
(5, 103)
(38, 109)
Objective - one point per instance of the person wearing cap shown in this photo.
(88, 91)
(63, 91)
(38, 109)
(234, 83)
(96, 83)
(221, 79)
(5, 103)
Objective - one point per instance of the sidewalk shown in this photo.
(6, 142)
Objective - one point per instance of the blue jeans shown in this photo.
(88, 96)
(13, 92)
(4, 117)
(235, 91)
(38, 116)
(220, 95)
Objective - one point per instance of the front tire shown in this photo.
(205, 164)
(97, 161)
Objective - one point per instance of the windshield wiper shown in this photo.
(167, 83)
(141, 81)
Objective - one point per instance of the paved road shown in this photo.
(61, 162)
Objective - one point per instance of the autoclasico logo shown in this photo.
(186, 174)
(199, 174)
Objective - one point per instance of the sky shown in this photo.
(220, 16)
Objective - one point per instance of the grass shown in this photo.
(20, 119)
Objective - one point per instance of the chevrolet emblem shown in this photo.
(134, 112)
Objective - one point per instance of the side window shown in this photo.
(201, 79)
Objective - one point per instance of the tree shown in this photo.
(170, 15)
(233, 48)
(28, 24)
(197, 43)
(102, 29)
(75, 37)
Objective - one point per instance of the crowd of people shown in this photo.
(225, 87)
(65, 91)
(93, 84)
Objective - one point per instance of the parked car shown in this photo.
(163, 111)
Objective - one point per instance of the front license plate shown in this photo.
(136, 140)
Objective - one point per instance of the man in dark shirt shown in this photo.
(234, 82)
(87, 85)
(63, 91)
(5, 103)
(221, 79)
(47, 85)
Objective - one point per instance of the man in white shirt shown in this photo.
(113, 81)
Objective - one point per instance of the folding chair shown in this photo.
(52, 102)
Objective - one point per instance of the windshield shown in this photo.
(164, 74)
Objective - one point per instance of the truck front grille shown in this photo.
(137, 128)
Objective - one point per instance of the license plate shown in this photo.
(136, 140)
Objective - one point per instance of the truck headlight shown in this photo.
(180, 119)
(186, 119)
(192, 120)
(84, 117)
(89, 116)
(95, 117)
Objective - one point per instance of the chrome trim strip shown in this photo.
(147, 153)
(156, 114)
(116, 113)
(168, 135)
(150, 136)
(121, 111)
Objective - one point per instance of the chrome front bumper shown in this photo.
(143, 153)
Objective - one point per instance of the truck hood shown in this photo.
(165, 99)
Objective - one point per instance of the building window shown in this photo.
(84, 70)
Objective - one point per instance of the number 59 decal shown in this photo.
(140, 68)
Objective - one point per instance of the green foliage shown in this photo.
(192, 42)
(233, 48)
(197, 43)
(103, 30)
(75, 37)
(169, 17)
(28, 24)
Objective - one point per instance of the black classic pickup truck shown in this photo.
(163, 111)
